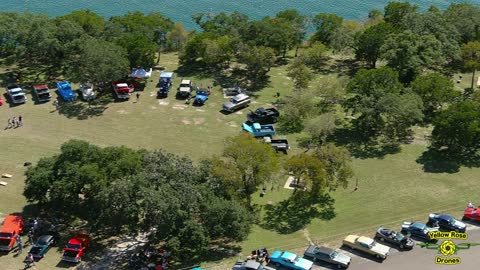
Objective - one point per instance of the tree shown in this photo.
(381, 104)
(435, 90)
(315, 55)
(410, 53)
(465, 17)
(221, 24)
(471, 57)
(368, 43)
(178, 36)
(337, 164)
(308, 173)
(141, 24)
(218, 52)
(344, 38)
(299, 106)
(396, 11)
(253, 160)
(300, 74)
(326, 25)
(97, 61)
(92, 23)
(257, 59)
(458, 128)
(319, 128)
(299, 23)
(140, 50)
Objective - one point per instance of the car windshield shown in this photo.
(333, 254)
(184, 85)
(4, 242)
(35, 250)
(43, 90)
(44, 95)
(448, 219)
(399, 236)
(73, 246)
(69, 253)
(42, 242)
(6, 234)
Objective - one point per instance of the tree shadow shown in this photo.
(83, 110)
(295, 213)
(361, 145)
(436, 160)
(342, 67)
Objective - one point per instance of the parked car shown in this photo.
(237, 102)
(258, 130)
(446, 222)
(263, 116)
(233, 91)
(75, 248)
(471, 213)
(395, 238)
(42, 245)
(16, 94)
(278, 144)
(42, 92)
(419, 230)
(318, 253)
(290, 260)
(367, 245)
(122, 90)
(184, 89)
(87, 92)
(12, 226)
(165, 82)
(250, 265)
(65, 91)
(141, 73)
(201, 96)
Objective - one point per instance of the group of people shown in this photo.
(260, 255)
(150, 259)
(29, 260)
(14, 122)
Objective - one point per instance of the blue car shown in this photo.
(65, 91)
(42, 245)
(201, 97)
(290, 261)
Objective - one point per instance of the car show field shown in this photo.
(386, 191)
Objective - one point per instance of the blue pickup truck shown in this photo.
(258, 130)
(201, 97)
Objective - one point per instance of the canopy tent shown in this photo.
(141, 73)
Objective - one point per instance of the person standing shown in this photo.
(20, 120)
(9, 123)
(14, 121)
(30, 237)
(19, 244)
(138, 96)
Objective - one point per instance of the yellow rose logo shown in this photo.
(447, 248)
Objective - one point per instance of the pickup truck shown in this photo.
(42, 92)
(263, 116)
(278, 144)
(65, 90)
(258, 130)
(75, 248)
(12, 226)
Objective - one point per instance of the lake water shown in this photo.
(181, 10)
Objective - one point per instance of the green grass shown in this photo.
(391, 189)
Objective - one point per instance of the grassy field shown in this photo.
(390, 189)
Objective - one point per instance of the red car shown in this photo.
(12, 226)
(471, 213)
(75, 248)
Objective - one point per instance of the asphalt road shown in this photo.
(418, 258)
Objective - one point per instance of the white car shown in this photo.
(367, 245)
(87, 92)
(16, 94)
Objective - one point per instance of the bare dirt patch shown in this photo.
(199, 110)
(153, 107)
(163, 103)
(232, 124)
(198, 121)
(185, 121)
(122, 112)
(239, 112)
(179, 107)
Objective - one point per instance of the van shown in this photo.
(12, 226)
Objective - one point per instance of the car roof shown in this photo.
(45, 238)
(166, 74)
(240, 96)
(251, 264)
(13, 86)
(40, 86)
(365, 240)
(185, 81)
(288, 255)
(418, 225)
(325, 250)
(445, 216)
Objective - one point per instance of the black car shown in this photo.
(418, 230)
(395, 238)
(317, 253)
(446, 222)
(263, 116)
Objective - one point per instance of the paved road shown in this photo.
(418, 258)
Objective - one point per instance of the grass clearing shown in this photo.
(391, 189)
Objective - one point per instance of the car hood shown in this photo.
(459, 224)
(228, 104)
(19, 93)
(343, 259)
(304, 264)
(184, 89)
(380, 249)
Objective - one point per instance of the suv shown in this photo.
(185, 88)
(237, 102)
(42, 92)
(17, 96)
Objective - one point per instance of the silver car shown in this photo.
(237, 102)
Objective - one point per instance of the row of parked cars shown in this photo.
(13, 226)
(378, 247)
